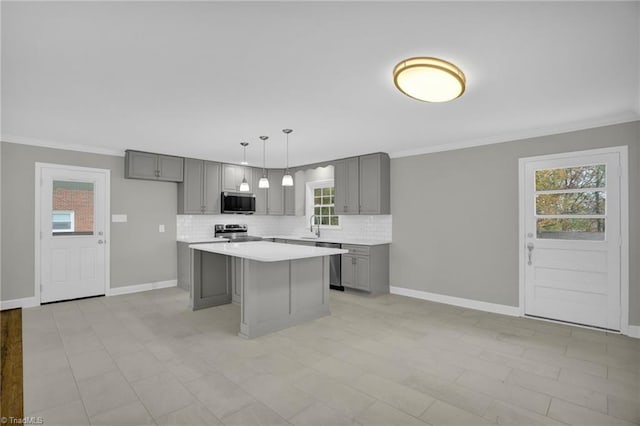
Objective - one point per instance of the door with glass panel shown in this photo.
(572, 239)
(73, 240)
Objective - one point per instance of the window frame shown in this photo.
(310, 201)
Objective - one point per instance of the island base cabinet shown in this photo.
(210, 280)
(236, 279)
(277, 295)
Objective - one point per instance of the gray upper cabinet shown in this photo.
(150, 166)
(347, 187)
(261, 194)
(200, 191)
(375, 184)
(211, 187)
(232, 175)
(275, 194)
(290, 197)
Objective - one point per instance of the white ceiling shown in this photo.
(197, 78)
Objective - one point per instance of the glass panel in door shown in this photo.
(571, 203)
(72, 208)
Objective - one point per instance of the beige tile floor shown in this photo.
(146, 359)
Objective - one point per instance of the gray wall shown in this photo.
(455, 215)
(139, 253)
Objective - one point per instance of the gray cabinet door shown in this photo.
(170, 168)
(346, 181)
(230, 178)
(290, 197)
(275, 194)
(232, 175)
(362, 273)
(374, 184)
(150, 166)
(211, 187)
(348, 270)
(190, 189)
(261, 194)
(140, 165)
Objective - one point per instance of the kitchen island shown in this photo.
(281, 285)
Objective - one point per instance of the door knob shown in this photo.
(100, 242)
(530, 249)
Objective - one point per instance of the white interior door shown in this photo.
(73, 232)
(573, 238)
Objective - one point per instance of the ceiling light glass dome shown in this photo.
(429, 79)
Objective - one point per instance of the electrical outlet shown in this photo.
(161, 228)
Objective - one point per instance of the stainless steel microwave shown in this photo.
(238, 202)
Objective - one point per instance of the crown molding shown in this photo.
(520, 135)
(59, 145)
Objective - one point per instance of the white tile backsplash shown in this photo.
(352, 227)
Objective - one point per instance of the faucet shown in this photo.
(311, 226)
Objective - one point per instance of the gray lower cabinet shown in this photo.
(261, 194)
(346, 182)
(232, 175)
(211, 278)
(150, 166)
(300, 243)
(184, 264)
(199, 193)
(275, 193)
(366, 268)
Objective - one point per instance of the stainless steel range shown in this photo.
(236, 233)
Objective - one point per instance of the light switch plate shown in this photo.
(160, 228)
(118, 218)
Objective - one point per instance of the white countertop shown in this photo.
(265, 251)
(203, 240)
(355, 241)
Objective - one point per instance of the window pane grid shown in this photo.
(323, 207)
(570, 203)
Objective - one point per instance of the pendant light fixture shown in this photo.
(287, 179)
(263, 182)
(429, 79)
(244, 186)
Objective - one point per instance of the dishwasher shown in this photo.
(335, 266)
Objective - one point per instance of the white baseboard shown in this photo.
(25, 302)
(513, 311)
(634, 331)
(116, 291)
(29, 302)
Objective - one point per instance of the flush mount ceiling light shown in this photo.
(287, 179)
(429, 79)
(244, 186)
